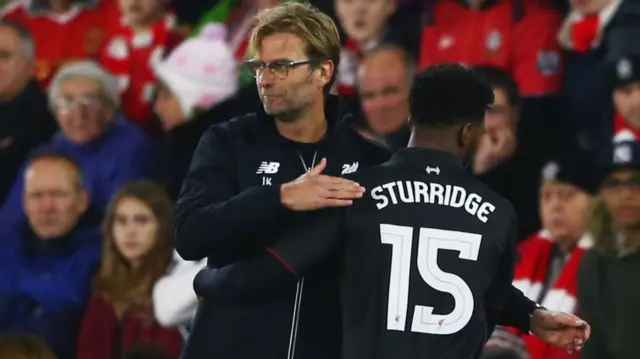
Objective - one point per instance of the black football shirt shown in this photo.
(425, 251)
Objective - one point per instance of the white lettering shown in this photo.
(434, 193)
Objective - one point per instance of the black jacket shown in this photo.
(229, 209)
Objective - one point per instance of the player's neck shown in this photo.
(434, 141)
(310, 127)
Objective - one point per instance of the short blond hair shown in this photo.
(315, 28)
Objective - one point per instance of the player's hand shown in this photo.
(562, 330)
(313, 190)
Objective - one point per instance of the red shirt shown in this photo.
(103, 335)
(130, 57)
(79, 34)
(525, 47)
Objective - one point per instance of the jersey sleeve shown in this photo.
(537, 61)
(297, 250)
(499, 290)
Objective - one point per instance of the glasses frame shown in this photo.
(288, 65)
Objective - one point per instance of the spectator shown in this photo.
(622, 68)
(47, 261)
(64, 30)
(109, 149)
(136, 252)
(384, 81)
(585, 36)
(24, 346)
(147, 33)
(514, 35)
(608, 286)
(199, 75)
(501, 159)
(25, 121)
(367, 24)
(548, 269)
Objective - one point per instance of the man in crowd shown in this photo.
(585, 35)
(242, 185)
(47, 260)
(110, 150)
(608, 289)
(25, 120)
(64, 30)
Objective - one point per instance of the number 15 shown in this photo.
(430, 241)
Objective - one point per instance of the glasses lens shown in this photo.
(254, 67)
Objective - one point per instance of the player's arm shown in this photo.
(212, 216)
(506, 304)
(298, 249)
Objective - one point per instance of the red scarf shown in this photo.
(130, 57)
(622, 131)
(531, 273)
(584, 33)
(350, 58)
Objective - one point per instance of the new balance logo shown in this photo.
(349, 168)
(268, 168)
(431, 170)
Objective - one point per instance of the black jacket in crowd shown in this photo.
(229, 209)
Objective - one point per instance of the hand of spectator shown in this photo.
(313, 190)
(495, 147)
(563, 330)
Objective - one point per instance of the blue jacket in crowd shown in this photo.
(45, 284)
(123, 153)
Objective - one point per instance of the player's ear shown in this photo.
(465, 133)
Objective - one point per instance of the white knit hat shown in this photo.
(202, 71)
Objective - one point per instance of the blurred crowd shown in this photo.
(103, 102)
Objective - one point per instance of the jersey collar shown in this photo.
(427, 157)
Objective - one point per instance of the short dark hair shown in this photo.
(54, 155)
(449, 94)
(500, 79)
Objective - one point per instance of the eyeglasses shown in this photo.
(87, 101)
(611, 183)
(279, 68)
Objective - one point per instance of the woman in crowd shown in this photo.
(136, 253)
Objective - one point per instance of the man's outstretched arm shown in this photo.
(298, 249)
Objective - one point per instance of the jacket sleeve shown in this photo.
(56, 325)
(174, 301)
(212, 216)
(297, 250)
(69, 284)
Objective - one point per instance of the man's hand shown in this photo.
(563, 330)
(314, 190)
(495, 147)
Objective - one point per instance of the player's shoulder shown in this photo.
(502, 207)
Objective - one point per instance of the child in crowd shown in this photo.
(148, 31)
(136, 253)
(199, 74)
